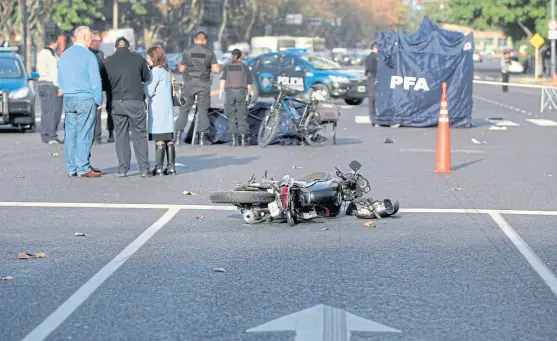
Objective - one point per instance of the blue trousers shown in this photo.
(80, 127)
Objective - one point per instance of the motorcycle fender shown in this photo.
(274, 209)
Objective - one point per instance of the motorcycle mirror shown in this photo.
(355, 166)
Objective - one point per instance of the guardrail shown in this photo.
(548, 92)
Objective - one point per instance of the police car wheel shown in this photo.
(353, 101)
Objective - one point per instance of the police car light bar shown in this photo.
(13, 49)
(294, 49)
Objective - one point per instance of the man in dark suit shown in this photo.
(371, 73)
(95, 48)
(127, 71)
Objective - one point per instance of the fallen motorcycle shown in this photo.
(316, 195)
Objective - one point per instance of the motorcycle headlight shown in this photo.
(19, 93)
(339, 79)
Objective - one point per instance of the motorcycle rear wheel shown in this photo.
(290, 219)
(242, 197)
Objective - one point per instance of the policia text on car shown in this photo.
(236, 81)
(198, 62)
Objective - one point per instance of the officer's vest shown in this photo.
(196, 67)
(236, 76)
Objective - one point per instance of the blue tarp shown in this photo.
(412, 69)
(218, 131)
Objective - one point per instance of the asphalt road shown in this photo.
(439, 270)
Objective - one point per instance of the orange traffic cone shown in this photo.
(443, 159)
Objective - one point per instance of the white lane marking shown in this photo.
(362, 119)
(104, 205)
(502, 105)
(502, 123)
(431, 150)
(233, 208)
(55, 319)
(543, 122)
(534, 261)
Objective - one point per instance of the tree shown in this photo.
(505, 14)
(82, 12)
(7, 22)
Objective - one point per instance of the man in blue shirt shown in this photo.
(80, 81)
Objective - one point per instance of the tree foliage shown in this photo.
(81, 12)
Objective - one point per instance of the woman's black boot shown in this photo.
(159, 159)
(171, 159)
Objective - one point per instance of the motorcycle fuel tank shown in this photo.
(326, 193)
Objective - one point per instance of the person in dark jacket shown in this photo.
(237, 81)
(127, 71)
(95, 48)
(371, 73)
(197, 64)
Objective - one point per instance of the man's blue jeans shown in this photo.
(81, 116)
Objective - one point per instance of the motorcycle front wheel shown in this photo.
(242, 197)
(268, 129)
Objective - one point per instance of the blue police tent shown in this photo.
(412, 69)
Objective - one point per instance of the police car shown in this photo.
(306, 72)
(17, 97)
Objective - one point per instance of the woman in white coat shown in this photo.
(160, 110)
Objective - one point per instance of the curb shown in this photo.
(522, 80)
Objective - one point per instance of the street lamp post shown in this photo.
(553, 44)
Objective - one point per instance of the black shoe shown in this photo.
(245, 140)
(110, 137)
(234, 142)
(72, 175)
(159, 159)
(171, 159)
(122, 175)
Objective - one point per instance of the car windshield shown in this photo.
(9, 68)
(321, 63)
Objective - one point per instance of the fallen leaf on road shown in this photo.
(6, 278)
(457, 189)
(369, 223)
(54, 154)
(39, 255)
(23, 255)
(199, 217)
(189, 193)
(297, 167)
(219, 270)
(81, 234)
(20, 176)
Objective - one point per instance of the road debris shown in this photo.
(370, 224)
(389, 140)
(297, 167)
(325, 229)
(27, 255)
(6, 278)
(457, 189)
(81, 234)
(189, 193)
(219, 270)
(21, 176)
(477, 142)
(54, 154)
(199, 217)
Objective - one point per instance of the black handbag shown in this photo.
(178, 99)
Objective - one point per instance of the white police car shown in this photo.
(306, 72)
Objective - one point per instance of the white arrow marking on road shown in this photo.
(322, 323)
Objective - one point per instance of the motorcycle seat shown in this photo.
(316, 177)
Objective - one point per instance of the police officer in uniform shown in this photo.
(237, 81)
(198, 61)
(371, 73)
